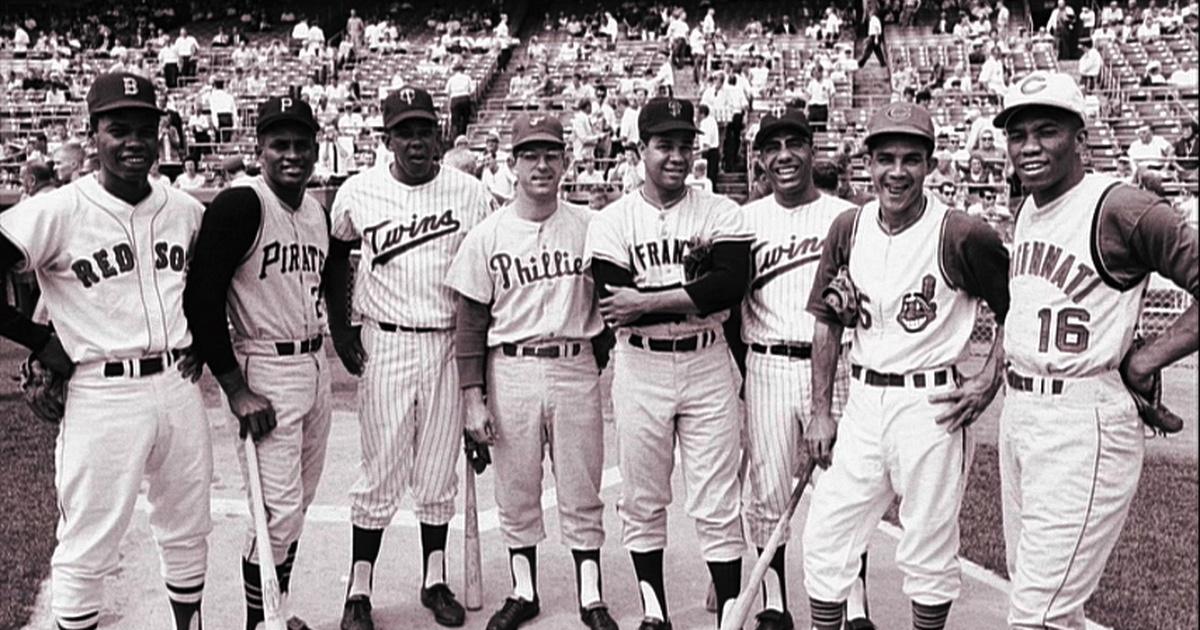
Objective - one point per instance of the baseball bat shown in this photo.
(740, 611)
(272, 602)
(472, 570)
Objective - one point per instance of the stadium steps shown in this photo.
(732, 185)
(872, 85)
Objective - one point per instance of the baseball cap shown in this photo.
(279, 109)
(790, 120)
(901, 118)
(1048, 89)
(121, 90)
(663, 115)
(407, 103)
(538, 128)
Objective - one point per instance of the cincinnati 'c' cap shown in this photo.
(407, 103)
(537, 128)
(664, 115)
(790, 120)
(279, 109)
(121, 90)
(903, 119)
(1047, 89)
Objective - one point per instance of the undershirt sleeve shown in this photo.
(227, 232)
(13, 324)
(1139, 233)
(470, 341)
(975, 261)
(834, 255)
(724, 285)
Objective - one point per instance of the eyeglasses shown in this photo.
(533, 157)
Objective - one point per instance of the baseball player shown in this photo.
(920, 270)
(262, 247)
(410, 216)
(1071, 443)
(111, 251)
(673, 379)
(789, 228)
(526, 319)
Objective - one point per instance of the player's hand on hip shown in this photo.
(477, 419)
(190, 365)
(55, 358)
(819, 438)
(348, 344)
(254, 413)
(621, 306)
(1137, 377)
(968, 401)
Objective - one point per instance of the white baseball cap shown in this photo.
(1048, 89)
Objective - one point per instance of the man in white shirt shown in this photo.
(820, 90)
(1185, 76)
(189, 179)
(20, 42)
(186, 47)
(223, 108)
(709, 140)
(991, 74)
(874, 43)
(315, 35)
(168, 60)
(459, 87)
(1148, 150)
(1090, 65)
(628, 131)
(583, 134)
(1112, 14)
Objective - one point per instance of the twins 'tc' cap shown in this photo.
(664, 115)
(121, 90)
(407, 103)
(901, 118)
(279, 109)
(790, 120)
(537, 128)
(1047, 89)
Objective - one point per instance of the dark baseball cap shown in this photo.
(407, 103)
(901, 119)
(663, 115)
(279, 109)
(790, 120)
(537, 128)
(121, 90)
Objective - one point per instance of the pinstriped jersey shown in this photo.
(275, 294)
(409, 236)
(784, 256)
(112, 273)
(651, 243)
(1065, 319)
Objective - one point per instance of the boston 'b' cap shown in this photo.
(664, 115)
(407, 103)
(537, 128)
(121, 90)
(903, 119)
(279, 109)
(789, 120)
(1047, 89)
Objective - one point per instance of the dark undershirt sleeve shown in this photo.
(471, 322)
(606, 274)
(227, 232)
(975, 261)
(13, 324)
(724, 285)
(1140, 233)
(834, 255)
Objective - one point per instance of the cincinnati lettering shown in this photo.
(1036, 258)
(289, 257)
(547, 266)
(780, 259)
(658, 253)
(389, 240)
(105, 263)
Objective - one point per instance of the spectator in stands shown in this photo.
(1112, 14)
(991, 75)
(1187, 152)
(36, 178)
(698, 178)
(978, 177)
(190, 178)
(68, 161)
(986, 147)
(628, 131)
(584, 135)
(499, 181)
(186, 47)
(819, 92)
(1148, 150)
(874, 43)
(944, 171)
(598, 199)
(233, 170)
(355, 30)
(826, 176)
(588, 174)
(630, 173)
(709, 140)
(1148, 30)
(1185, 75)
(664, 79)
(223, 108)
(168, 61)
(316, 35)
(299, 35)
(1090, 65)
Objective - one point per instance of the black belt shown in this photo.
(880, 379)
(288, 348)
(542, 352)
(682, 344)
(389, 327)
(147, 366)
(795, 351)
(1026, 383)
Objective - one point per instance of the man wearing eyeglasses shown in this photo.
(526, 320)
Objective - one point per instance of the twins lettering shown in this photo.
(110, 263)
(780, 259)
(389, 240)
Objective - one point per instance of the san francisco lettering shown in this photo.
(1036, 258)
(289, 257)
(107, 263)
(659, 253)
(388, 240)
(547, 266)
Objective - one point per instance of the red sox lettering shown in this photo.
(389, 240)
(548, 266)
(120, 259)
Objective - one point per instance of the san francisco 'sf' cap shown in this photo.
(1047, 89)
(121, 90)
(902, 119)
(664, 115)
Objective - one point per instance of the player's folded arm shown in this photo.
(724, 285)
(974, 260)
(835, 254)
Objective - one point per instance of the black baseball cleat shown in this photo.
(650, 623)
(446, 610)
(862, 623)
(357, 614)
(597, 618)
(771, 619)
(513, 613)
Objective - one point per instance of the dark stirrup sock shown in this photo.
(648, 566)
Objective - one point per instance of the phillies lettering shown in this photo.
(389, 240)
(289, 257)
(1035, 258)
(548, 266)
(106, 263)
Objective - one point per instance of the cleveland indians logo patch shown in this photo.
(918, 310)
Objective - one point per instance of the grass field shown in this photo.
(1151, 581)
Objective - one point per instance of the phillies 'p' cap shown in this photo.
(1047, 89)
(901, 118)
(408, 103)
(789, 120)
(537, 128)
(664, 115)
(279, 109)
(121, 90)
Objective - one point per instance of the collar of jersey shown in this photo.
(671, 206)
(91, 187)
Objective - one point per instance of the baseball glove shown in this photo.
(698, 259)
(1150, 407)
(478, 454)
(44, 390)
(842, 298)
